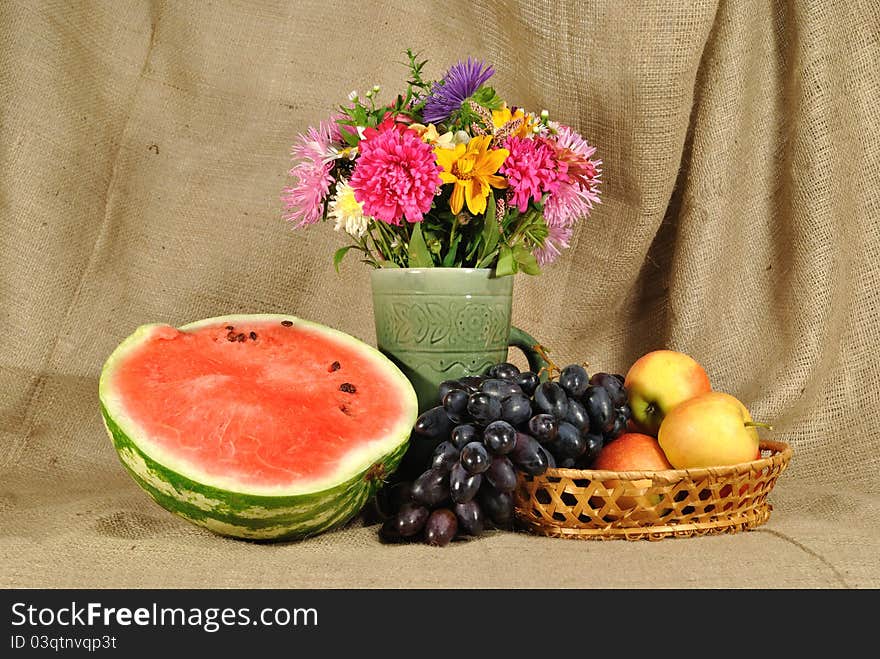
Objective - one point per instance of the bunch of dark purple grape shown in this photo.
(488, 427)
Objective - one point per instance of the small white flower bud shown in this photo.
(375, 89)
(544, 114)
(353, 95)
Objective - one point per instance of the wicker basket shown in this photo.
(642, 505)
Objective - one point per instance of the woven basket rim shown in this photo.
(781, 452)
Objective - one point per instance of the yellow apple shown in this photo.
(713, 429)
(659, 381)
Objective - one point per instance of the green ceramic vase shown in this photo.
(441, 324)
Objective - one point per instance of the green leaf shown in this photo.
(487, 97)
(419, 256)
(351, 138)
(507, 265)
(449, 259)
(359, 115)
(339, 255)
(526, 260)
(486, 261)
(491, 231)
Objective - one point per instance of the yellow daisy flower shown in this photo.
(472, 170)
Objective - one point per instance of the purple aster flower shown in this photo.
(460, 82)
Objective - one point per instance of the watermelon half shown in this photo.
(256, 426)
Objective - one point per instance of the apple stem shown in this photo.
(757, 424)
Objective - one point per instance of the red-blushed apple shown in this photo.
(632, 451)
(659, 381)
(713, 429)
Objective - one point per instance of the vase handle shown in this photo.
(530, 348)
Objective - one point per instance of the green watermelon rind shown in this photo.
(240, 514)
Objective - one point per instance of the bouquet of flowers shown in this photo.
(446, 175)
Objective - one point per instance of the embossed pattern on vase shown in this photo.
(441, 325)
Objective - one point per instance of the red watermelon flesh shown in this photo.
(267, 404)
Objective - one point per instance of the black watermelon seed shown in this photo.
(230, 327)
(287, 323)
(241, 338)
(253, 336)
(335, 366)
(230, 336)
(347, 387)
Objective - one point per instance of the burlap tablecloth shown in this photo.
(144, 147)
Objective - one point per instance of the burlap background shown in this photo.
(144, 146)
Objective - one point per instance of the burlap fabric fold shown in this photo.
(143, 147)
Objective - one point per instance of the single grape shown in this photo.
(455, 404)
(497, 506)
(625, 410)
(566, 463)
(499, 389)
(388, 531)
(441, 527)
(410, 519)
(595, 442)
(577, 415)
(433, 423)
(502, 474)
(516, 409)
(499, 437)
(574, 380)
(599, 408)
(470, 518)
(431, 488)
(618, 428)
(551, 399)
(620, 378)
(472, 383)
(527, 455)
(484, 408)
(464, 434)
(463, 486)
(544, 428)
(551, 459)
(397, 494)
(612, 385)
(444, 456)
(570, 443)
(528, 381)
(449, 385)
(504, 371)
(475, 458)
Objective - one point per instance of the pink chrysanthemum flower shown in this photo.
(557, 239)
(304, 200)
(396, 175)
(531, 170)
(575, 197)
